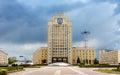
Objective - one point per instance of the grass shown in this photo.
(98, 66)
(113, 71)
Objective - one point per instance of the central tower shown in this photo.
(59, 39)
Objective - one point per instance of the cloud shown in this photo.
(23, 23)
(117, 9)
(90, 43)
(28, 25)
(101, 23)
(74, 1)
(33, 4)
(25, 50)
(20, 25)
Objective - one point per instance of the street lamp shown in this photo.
(24, 59)
(85, 34)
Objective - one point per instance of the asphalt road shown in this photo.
(56, 70)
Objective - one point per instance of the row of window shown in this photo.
(59, 48)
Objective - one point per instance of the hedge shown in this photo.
(12, 69)
(16, 68)
(98, 65)
(5, 70)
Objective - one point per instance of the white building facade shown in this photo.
(60, 39)
(3, 58)
(109, 56)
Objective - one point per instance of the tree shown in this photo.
(11, 61)
(96, 61)
(78, 60)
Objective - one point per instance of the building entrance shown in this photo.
(59, 59)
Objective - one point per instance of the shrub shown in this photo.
(98, 65)
(31, 66)
(25, 65)
(3, 72)
(14, 65)
(15, 68)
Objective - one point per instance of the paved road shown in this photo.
(70, 70)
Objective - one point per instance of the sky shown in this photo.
(24, 23)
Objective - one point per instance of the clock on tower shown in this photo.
(59, 20)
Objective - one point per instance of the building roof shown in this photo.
(3, 52)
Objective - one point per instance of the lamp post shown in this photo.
(21, 61)
(85, 34)
(24, 59)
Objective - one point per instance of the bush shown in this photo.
(3, 72)
(14, 65)
(16, 68)
(10, 69)
(30, 66)
(25, 65)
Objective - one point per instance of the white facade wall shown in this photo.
(60, 39)
(3, 57)
(109, 57)
(118, 56)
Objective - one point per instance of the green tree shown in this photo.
(96, 61)
(10, 61)
(78, 60)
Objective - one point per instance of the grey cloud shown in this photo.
(100, 22)
(117, 10)
(18, 24)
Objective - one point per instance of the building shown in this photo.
(84, 54)
(109, 56)
(41, 56)
(60, 43)
(3, 57)
(59, 39)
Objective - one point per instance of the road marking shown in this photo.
(81, 73)
(58, 72)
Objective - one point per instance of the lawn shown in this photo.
(112, 71)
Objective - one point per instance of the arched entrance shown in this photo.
(59, 59)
